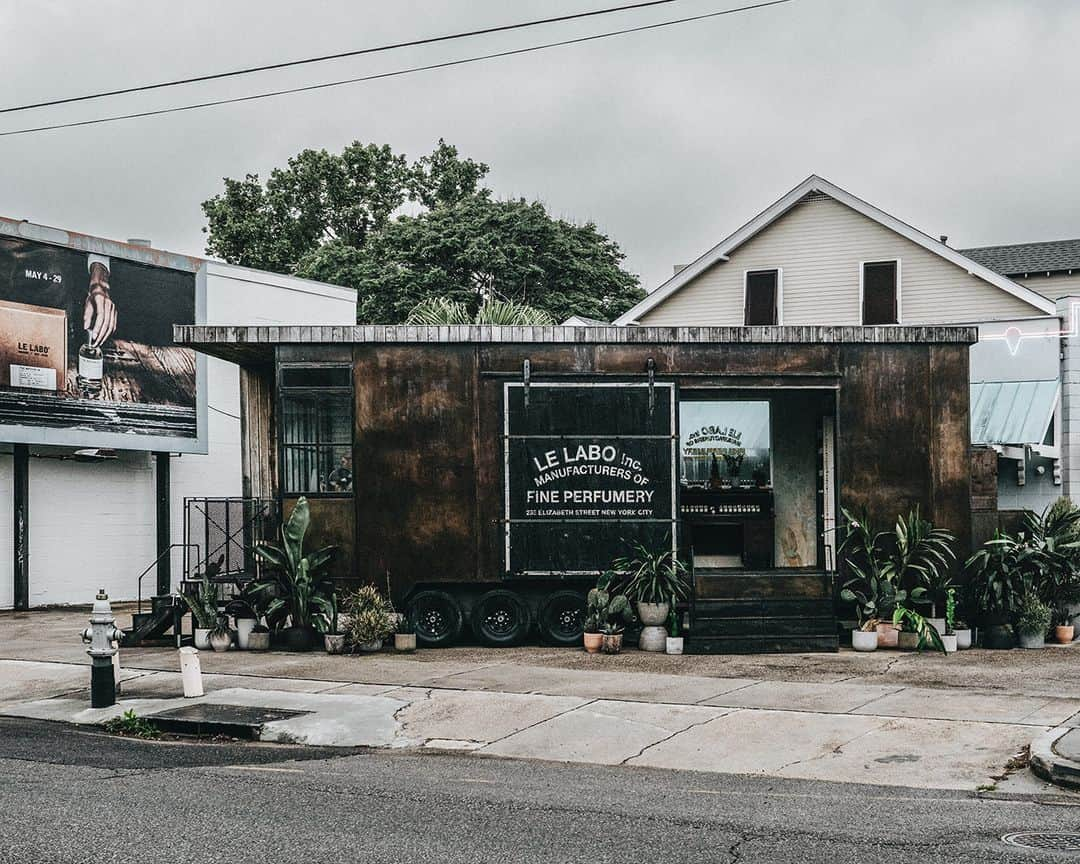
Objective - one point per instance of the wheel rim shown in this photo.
(432, 621)
(565, 621)
(500, 620)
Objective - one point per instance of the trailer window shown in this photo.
(316, 431)
(726, 443)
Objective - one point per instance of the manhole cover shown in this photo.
(236, 721)
(1043, 840)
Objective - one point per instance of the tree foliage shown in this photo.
(341, 219)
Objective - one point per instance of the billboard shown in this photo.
(86, 351)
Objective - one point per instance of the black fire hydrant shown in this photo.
(101, 634)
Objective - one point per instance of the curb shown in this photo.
(1048, 764)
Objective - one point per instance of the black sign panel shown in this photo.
(588, 469)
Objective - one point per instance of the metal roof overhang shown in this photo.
(1012, 413)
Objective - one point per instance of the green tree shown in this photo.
(337, 218)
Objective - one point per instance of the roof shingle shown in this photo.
(1051, 256)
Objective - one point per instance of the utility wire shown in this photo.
(357, 53)
(393, 74)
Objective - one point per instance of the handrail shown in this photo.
(156, 561)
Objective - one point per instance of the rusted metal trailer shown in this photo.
(492, 472)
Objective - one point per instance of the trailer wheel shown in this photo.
(438, 618)
(501, 617)
(562, 618)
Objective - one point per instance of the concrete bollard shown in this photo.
(191, 672)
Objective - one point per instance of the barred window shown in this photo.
(316, 431)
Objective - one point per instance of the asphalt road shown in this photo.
(69, 795)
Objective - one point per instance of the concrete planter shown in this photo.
(652, 639)
(1032, 640)
(949, 641)
(907, 640)
(963, 638)
(653, 614)
(593, 641)
(334, 642)
(673, 645)
(405, 643)
(372, 647)
(202, 638)
(863, 640)
(259, 641)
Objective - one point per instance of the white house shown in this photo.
(820, 255)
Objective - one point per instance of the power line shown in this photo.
(393, 74)
(340, 56)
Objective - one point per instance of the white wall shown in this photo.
(819, 245)
(93, 525)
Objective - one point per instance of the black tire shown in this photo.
(438, 618)
(562, 618)
(501, 618)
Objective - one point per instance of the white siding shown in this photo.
(1055, 286)
(93, 525)
(819, 245)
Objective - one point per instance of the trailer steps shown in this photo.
(152, 626)
(762, 612)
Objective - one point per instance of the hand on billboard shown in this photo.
(99, 312)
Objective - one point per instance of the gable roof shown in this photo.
(814, 184)
(1019, 259)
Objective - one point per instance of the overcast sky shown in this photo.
(958, 116)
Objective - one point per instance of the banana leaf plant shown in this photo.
(295, 586)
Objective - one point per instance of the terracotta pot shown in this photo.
(611, 643)
(405, 642)
(887, 634)
(863, 640)
(1064, 633)
(593, 642)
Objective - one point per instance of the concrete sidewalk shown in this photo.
(845, 731)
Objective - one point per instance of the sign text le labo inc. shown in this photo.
(589, 461)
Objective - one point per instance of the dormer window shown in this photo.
(880, 292)
(762, 298)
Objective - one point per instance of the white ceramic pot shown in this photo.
(244, 627)
(1032, 640)
(673, 645)
(949, 641)
(862, 640)
(652, 638)
(202, 638)
(653, 614)
(963, 638)
(220, 641)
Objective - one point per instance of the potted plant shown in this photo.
(333, 638)
(1032, 621)
(295, 588)
(655, 583)
(995, 585)
(963, 635)
(948, 634)
(674, 642)
(916, 631)
(204, 611)
(605, 615)
(865, 636)
(404, 635)
(220, 637)
(259, 638)
(371, 619)
(245, 619)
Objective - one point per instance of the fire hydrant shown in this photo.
(102, 634)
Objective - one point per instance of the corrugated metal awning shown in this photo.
(1012, 412)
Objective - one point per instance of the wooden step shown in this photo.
(704, 610)
(740, 584)
(761, 644)
(814, 626)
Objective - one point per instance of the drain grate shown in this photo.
(1044, 840)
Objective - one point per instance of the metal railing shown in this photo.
(154, 563)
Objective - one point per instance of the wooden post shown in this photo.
(164, 531)
(21, 508)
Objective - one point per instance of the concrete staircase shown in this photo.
(773, 611)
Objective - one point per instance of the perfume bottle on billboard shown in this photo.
(91, 367)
